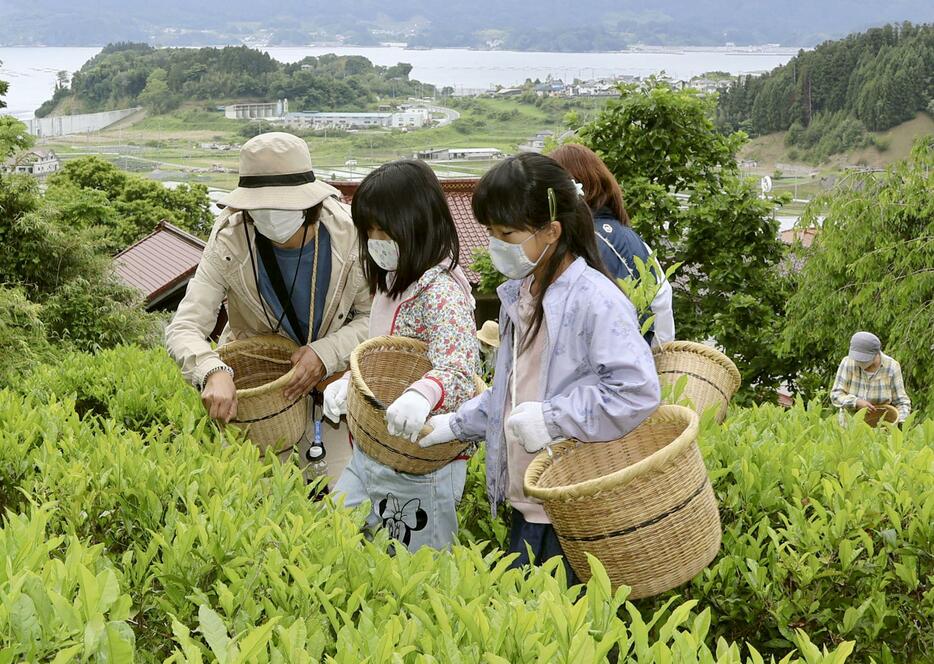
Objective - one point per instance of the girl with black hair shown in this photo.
(572, 361)
(409, 250)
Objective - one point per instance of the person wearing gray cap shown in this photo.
(868, 378)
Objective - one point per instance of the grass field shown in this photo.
(171, 143)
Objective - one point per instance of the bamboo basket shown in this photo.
(262, 368)
(712, 378)
(381, 369)
(642, 505)
(884, 413)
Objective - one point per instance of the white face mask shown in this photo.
(510, 259)
(278, 225)
(384, 253)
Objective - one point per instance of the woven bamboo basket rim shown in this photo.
(404, 344)
(700, 349)
(890, 415)
(665, 413)
(398, 343)
(265, 340)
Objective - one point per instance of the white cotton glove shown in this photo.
(335, 399)
(407, 414)
(527, 424)
(441, 431)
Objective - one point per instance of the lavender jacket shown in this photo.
(599, 375)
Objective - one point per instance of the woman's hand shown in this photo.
(309, 371)
(219, 397)
(862, 403)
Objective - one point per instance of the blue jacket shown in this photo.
(599, 375)
(618, 244)
(616, 241)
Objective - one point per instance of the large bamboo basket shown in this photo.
(642, 505)
(380, 371)
(712, 378)
(262, 368)
(883, 413)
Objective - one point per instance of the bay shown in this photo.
(31, 71)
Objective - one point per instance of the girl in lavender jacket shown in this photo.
(572, 361)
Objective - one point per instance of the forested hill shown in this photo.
(876, 79)
(128, 74)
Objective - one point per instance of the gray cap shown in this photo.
(864, 346)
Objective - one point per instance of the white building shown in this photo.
(38, 163)
(460, 154)
(259, 111)
(413, 118)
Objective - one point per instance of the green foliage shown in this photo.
(870, 268)
(826, 529)
(160, 79)
(156, 95)
(93, 193)
(22, 335)
(14, 137)
(477, 524)
(220, 556)
(828, 134)
(660, 142)
(490, 277)
(56, 282)
(60, 598)
(642, 288)
(880, 77)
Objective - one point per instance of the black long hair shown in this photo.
(404, 200)
(514, 193)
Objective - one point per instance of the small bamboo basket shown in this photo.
(262, 368)
(712, 378)
(381, 369)
(642, 505)
(883, 413)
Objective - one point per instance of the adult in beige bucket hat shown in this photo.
(276, 173)
(283, 255)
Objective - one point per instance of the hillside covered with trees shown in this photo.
(828, 98)
(130, 74)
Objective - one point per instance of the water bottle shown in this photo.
(317, 466)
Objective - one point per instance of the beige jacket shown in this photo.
(225, 271)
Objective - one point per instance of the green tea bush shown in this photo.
(826, 529)
(171, 541)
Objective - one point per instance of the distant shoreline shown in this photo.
(745, 49)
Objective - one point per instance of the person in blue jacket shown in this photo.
(617, 242)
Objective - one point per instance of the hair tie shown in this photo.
(579, 187)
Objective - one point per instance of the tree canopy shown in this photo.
(661, 143)
(871, 268)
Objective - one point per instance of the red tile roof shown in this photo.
(470, 233)
(160, 262)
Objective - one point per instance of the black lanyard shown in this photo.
(268, 256)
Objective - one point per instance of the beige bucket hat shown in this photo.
(275, 173)
(489, 333)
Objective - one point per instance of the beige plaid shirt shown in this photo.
(883, 386)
